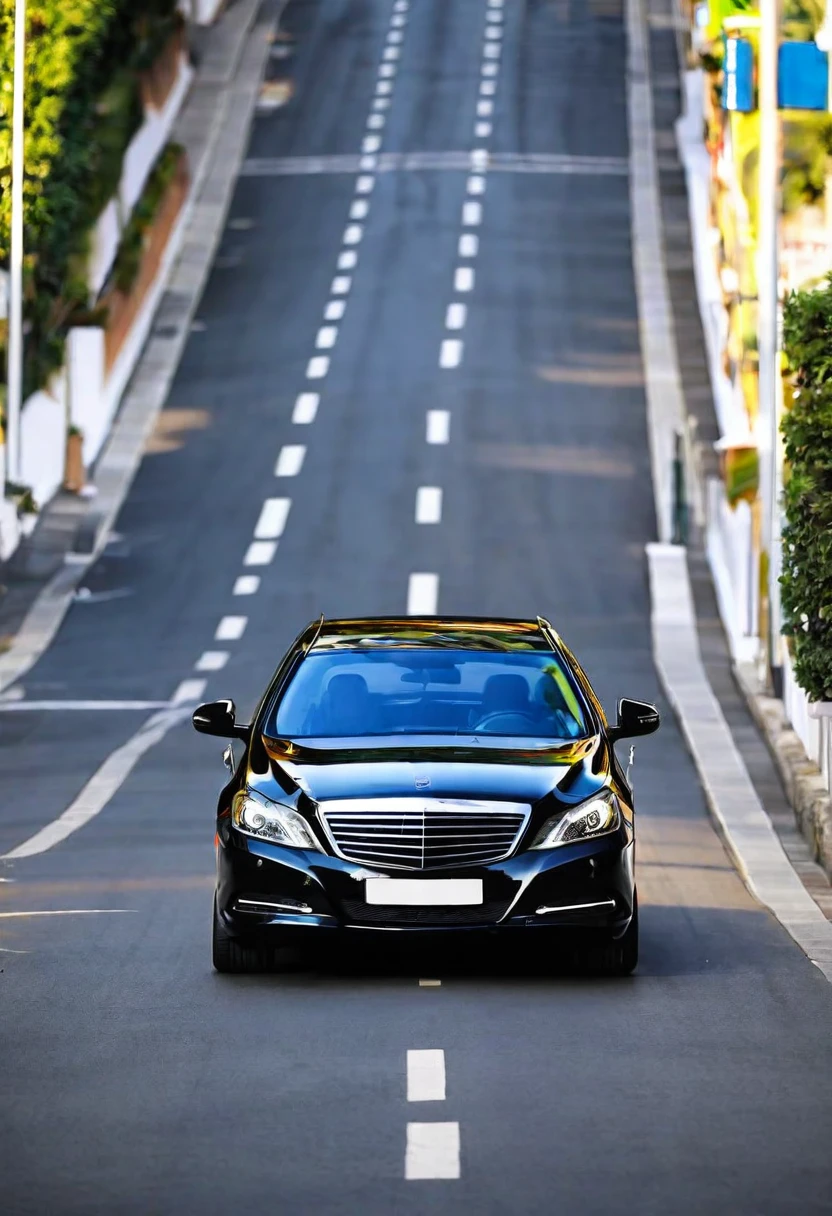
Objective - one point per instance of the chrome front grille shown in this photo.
(408, 833)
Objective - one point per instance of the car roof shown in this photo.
(417, 632)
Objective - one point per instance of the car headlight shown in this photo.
(597, 817)
(254, 815)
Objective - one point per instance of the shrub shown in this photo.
(807, 537)
(131, 247)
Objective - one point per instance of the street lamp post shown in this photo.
(14, 352)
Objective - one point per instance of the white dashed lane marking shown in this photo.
(273, 516)
(456, 316)
(476, 184)
(212, 660)
(471, 214)
(317, 367)
(348, 260)
(428, 505)
(353, 234)
(335, 310)
(306, 407)
(450, 354)
(422, 594)
(327, 337)
(290, 461)
(469, 244)
(341, 285)
(231, 628)
(438, 426)
(426, 1075)
(247, 584)
(432, 1151)
(260, 553)
(464, 279)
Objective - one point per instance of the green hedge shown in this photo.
(82, 108)
(807, 537)
(128, 259)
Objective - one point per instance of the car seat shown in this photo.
(344, 708)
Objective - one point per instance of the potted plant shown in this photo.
(74, 472)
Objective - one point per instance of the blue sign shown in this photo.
(802, 77)
(738, 86)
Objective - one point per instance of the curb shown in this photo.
(802, 779)
(748, 833)
(199, 232)
(740, 818)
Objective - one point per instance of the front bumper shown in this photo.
(267, 891)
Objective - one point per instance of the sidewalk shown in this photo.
(39, 581)
(736, 767)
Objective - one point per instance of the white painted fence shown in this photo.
(811, 723)
(731, 558)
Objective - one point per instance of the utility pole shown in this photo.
(14, 352)
(768, 343)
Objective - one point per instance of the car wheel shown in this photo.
(617, 958)
(233, 957)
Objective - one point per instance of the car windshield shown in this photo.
(353, 694)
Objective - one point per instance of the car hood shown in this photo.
(459, 769)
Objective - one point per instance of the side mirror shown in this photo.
(635, 718)
(219, 718)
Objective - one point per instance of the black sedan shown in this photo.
(426, 775)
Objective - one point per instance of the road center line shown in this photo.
(464, 279)
(438, 426)
(273, 516)
(306, 407)
(426, 1075)
(432, 1151)
(456, 316)
(290, 461)
(327, 337)
(246, 584)
(231, 628)
(422, 594)
(335, 310)
(471, 214)
(428, 505)
(260, 553)
(317, 367)
(450, 354)
(212, 660)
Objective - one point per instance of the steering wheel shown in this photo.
(490, 720)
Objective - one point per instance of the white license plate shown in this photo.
(423, 892)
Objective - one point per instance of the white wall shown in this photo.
(43, 424)
(139, 159)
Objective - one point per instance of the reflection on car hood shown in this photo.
(439, 771)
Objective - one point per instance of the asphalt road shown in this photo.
(134, 1080)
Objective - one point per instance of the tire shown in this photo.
(616, 958)
(230, 956)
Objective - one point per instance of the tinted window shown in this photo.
(433, 692)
